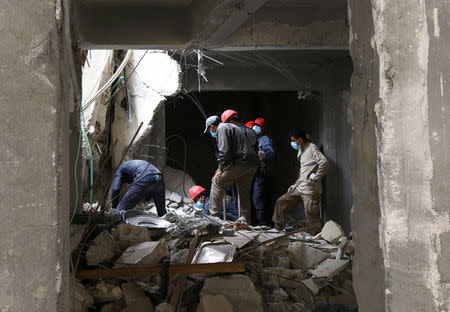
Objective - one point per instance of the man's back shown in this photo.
(234, 147)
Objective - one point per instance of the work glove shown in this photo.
(292, 188)
(314, 177)
(261, 155)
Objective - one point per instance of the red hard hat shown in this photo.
(227, 114)
(261, 122)
(195, 191)
(250, 124)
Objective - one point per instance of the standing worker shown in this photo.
(308, 187)
(266, 154)
(231, 116)
(238, 162)
(146, 182)
(201, 201)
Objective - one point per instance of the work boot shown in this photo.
(278, 227)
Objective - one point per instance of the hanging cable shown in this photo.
(110, 81)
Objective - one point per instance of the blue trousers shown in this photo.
(259, 198)
(146, 188)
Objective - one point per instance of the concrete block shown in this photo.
(128, 235)
(281, 277)
(143, 253)
(143, 305)
(105, 292)
(238, 289)
(103, 248)
(112, 307)
(80, 297)
(305, 257)
(179, 257)
(132, 293)
(331, 232)
(76, 233)
(277, 295)
(214, 303)
(164, 307)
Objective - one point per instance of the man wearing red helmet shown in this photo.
(201, 201)
(237, 160)
(266, 154)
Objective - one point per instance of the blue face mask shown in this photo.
(257, 129)
(295, 146)
(199, 205)
(213, 134)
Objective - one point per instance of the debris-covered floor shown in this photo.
(187, 262)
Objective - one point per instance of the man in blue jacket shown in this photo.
(266, 154)
(201, 201)
(146, 182)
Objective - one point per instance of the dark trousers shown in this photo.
(146, 188)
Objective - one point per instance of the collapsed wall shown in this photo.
(114, 118)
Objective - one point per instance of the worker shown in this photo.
(238, 162)
(250, 124)
(146, 182)
(266, 154)
(201, 201)
(231, 116)
(308, 187)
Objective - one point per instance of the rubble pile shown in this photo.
(205, 264)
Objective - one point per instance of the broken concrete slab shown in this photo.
(277, 295)
(313, 285)
(329, 268)
(80, 297)
(143, 253)
(305, 257)
(112, 307)
(106, 292)
(331, 232)
(164, 307)
(238, 289)
(132, 293)
(103, 248)
(179, 257)
(214, 303)
(281, 277)
(144, 305)
(128, 235)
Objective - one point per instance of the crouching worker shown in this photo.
(308, 187)
(146, 182)
(201, 201)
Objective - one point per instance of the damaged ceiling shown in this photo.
(181, 24)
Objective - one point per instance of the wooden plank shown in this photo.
(329, 268)
(182, 278)
(135, 271)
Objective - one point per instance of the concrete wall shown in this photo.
(156, 77)
(36, 97)
(400, 154)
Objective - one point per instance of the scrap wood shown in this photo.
(238, 226)
(135, 271)
(182, 278)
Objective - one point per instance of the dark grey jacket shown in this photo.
(234, 147)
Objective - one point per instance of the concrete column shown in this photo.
(400, 148)
(35, 96)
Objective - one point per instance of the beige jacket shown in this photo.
(311, 161)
